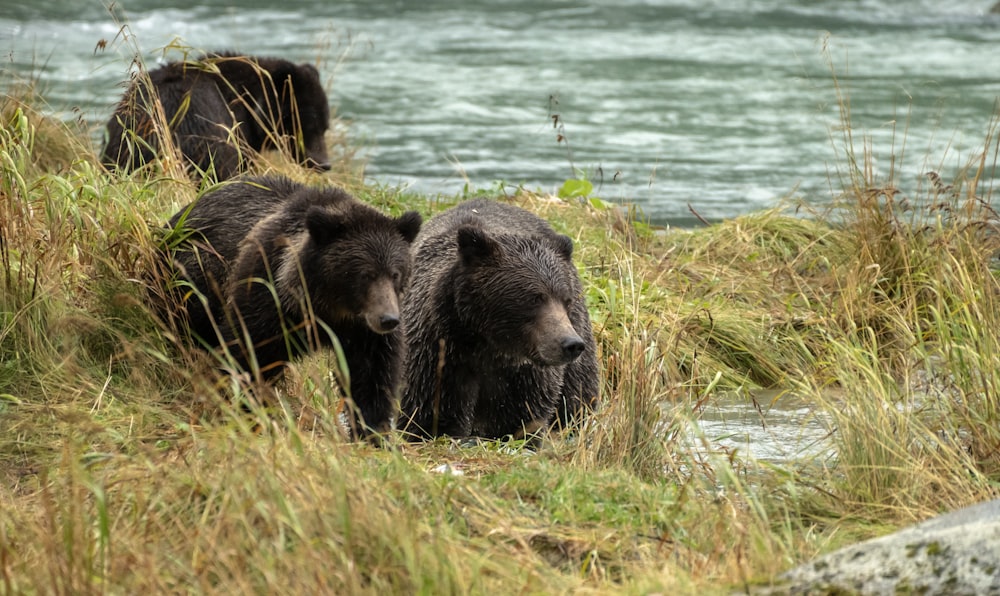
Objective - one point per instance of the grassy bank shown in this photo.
(124, 469)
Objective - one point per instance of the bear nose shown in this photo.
(388, 322)
(572, 347)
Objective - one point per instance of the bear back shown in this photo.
(218, 110)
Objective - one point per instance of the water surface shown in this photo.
(716, 106)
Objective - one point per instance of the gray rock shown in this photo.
(956, 553)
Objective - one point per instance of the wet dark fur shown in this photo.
(216, 116)
(255, 240)
(484, 276)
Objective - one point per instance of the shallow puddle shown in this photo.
(763, 426)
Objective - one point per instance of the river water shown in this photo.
(765, 426)
(718, 107)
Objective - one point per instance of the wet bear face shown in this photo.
(358, 267)
(516, 292)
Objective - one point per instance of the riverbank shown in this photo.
(124, 469)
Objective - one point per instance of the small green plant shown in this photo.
(576, 188)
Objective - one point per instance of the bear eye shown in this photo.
(396, 277)
(536, 299)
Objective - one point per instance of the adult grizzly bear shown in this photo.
(269, 267)
(498, 336)
(218, 109)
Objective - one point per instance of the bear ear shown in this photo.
(323, 226)
(474, 246)
(564, 246)
(308, 67)
(408, 225)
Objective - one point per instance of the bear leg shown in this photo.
(374, 366)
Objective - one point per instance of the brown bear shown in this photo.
(498, 336)
(218, 109)
(267, 268)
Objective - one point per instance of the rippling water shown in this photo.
(782, 428)
(718, 106)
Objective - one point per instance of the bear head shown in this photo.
(356, 263)
(278, 104)
(305, 113)
(515, 292)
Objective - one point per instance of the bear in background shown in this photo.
(498, 336)
(267, 267)
(219, 108)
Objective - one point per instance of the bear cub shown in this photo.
(268, 267)
(498, 336)
(220, 107)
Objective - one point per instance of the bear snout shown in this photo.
(381, 313)
(315, 156)
(555, 340)
(572, 347)
(319, 166)
(559, 350)
(382, 323)
(388, 323)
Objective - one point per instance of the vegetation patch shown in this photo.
(126, 467)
